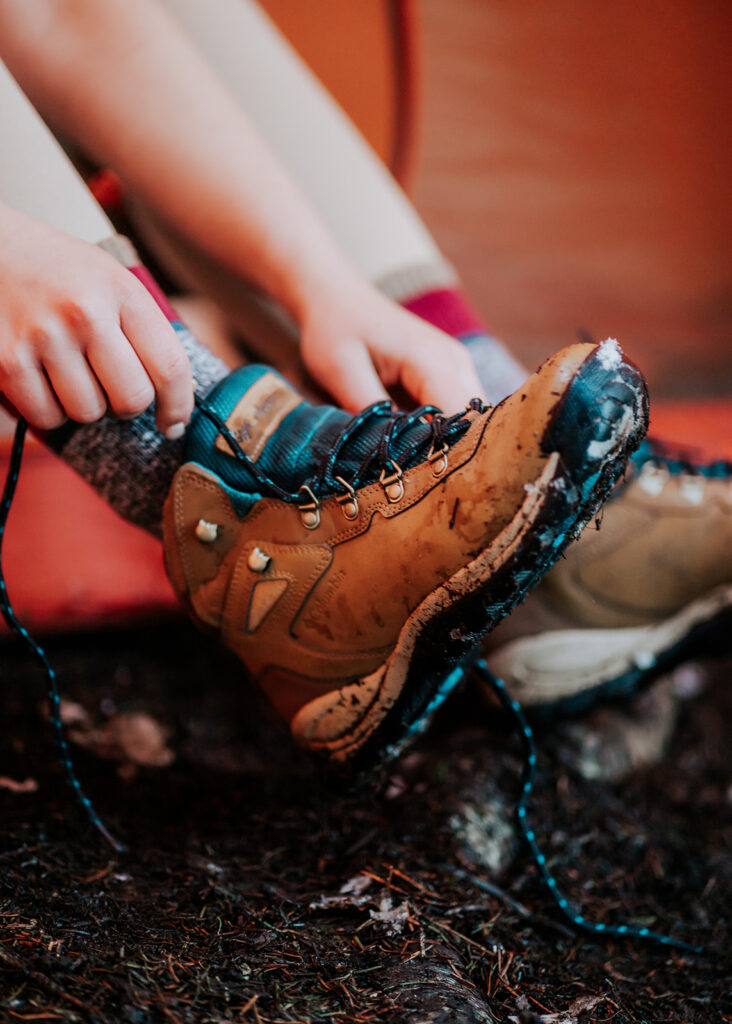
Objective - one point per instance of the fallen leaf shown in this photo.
(26, 786)
(72, 713)
(350, 894)
(393, 918)
(134, 737)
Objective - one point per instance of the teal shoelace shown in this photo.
(624, 931)
(679, 460)
(54, 700)
(523, 728)
(442, 431)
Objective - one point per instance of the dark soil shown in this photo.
(227, 906)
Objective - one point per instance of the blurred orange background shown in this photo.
(572, 159)
(577, 167)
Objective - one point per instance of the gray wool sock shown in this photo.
(499, 373)
(129, 462)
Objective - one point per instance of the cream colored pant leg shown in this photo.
(353, 192)
(36, 176)
(38, 179)
(349, 186)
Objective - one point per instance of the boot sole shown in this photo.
(567, 671)
(437, 642)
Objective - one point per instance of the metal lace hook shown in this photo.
(347, 501)
(309, 509)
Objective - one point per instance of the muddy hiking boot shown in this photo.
(353, 563)
(651, 588)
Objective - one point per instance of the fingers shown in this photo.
(128, 387)
(350, 377)
(166, 364)
(451, 385)
(76, 387)
(440, 371)
(32, 397)
(94, 371)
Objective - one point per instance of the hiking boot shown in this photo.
(651, 588)
(354, 563)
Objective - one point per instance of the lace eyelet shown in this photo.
(438, 460)
(310, 512)
(206, 532)
(692, 489)
(258, 560)
(653, 478)
(393, 485)
(347, 501)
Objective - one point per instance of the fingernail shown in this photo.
(175, 431)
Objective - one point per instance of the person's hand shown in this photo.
(80, 335)
(357, 344)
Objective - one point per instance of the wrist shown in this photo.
(324, 285)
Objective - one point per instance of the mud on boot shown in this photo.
(353, 563)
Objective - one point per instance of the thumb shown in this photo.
(447, 379)
(352, 378)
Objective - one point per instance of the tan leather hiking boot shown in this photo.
(650, 588)
(353, 564)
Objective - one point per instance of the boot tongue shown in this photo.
(287, 437)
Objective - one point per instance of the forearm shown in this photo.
(147, 105)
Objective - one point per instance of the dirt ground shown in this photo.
(254, 890)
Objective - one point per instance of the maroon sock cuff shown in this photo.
(448, 309)
(144, 276)
(122, 249)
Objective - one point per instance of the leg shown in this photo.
(319, 546)
(605, 587)
(353, 192)
(129, 463)
(360, 650)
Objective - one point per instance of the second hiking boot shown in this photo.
(354, 563)
(651, 588)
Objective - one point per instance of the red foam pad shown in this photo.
(72, 563)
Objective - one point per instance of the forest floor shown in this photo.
(254, 890)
